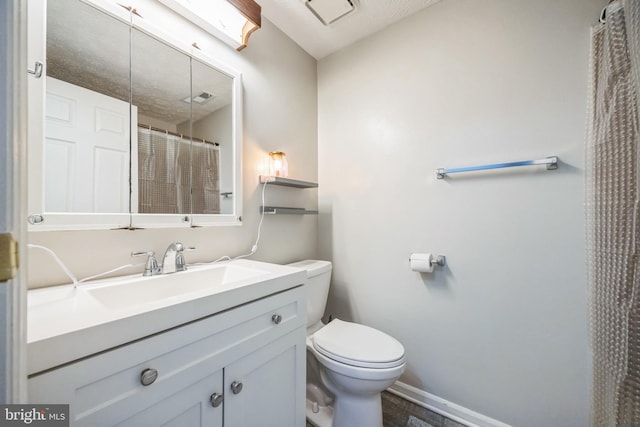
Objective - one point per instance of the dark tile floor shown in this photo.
(398, 412)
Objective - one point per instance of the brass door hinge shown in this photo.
(8, 257)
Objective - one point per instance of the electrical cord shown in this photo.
(68, 272)
(59, 261)
(254, 248)
(122, 267)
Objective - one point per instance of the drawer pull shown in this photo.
(148, 376)
(276, 318)
(236, 387)
(216, 399)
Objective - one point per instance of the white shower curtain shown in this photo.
(163, 173)
(177, 175)
(205, 173)
(612, 217)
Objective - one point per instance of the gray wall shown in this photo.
(502, 330)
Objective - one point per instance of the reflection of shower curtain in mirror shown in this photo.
(163, 174)
(205, 177)
(613, 242)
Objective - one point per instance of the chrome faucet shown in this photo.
(173, 259)
(151, 268)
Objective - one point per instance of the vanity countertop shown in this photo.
(67, 323)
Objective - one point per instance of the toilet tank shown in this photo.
(318, 279)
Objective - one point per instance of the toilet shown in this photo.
(354, 362)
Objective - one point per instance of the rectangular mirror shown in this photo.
(212, 131)
(139, 130)
(160, 83)
(80, 133)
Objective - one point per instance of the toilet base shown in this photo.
(358, 411)
(319, 411)
(351, 412)
(323, 417)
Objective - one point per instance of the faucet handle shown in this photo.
(181, 265)
(151, 268)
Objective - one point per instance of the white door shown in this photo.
(86, 150)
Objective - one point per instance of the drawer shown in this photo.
(106, 388)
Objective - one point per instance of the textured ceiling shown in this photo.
(299, 23)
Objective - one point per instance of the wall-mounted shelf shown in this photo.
(287, 182)
(279, 210)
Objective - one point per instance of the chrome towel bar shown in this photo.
(551, 162)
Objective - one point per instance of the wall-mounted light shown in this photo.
(232, 21)
(278, 165)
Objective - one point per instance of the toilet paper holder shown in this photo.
(426, 262)
(439, 260)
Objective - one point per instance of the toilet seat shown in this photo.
(358, 345)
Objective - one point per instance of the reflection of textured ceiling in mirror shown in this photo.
(159, 69)
(89, 48)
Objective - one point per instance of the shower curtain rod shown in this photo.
(168, 132)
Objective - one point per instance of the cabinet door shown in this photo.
(266, 387)
(189, 407)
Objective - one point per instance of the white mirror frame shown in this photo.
(95, 221)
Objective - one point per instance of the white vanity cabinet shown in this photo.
(242, 367)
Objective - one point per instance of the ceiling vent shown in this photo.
(329, 11)
(201, 98)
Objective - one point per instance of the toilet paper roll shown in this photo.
(421, 263)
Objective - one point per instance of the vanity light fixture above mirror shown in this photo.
(231, 21)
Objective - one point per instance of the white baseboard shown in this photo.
(443, 407)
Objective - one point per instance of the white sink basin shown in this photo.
(67, 323)
(147, 290)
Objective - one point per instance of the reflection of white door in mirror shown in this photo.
(86, 150)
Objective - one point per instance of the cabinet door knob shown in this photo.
(216, 399)
(236, 387)
(148, 376)
(276, 318)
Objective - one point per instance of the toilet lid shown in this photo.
(358, 345)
